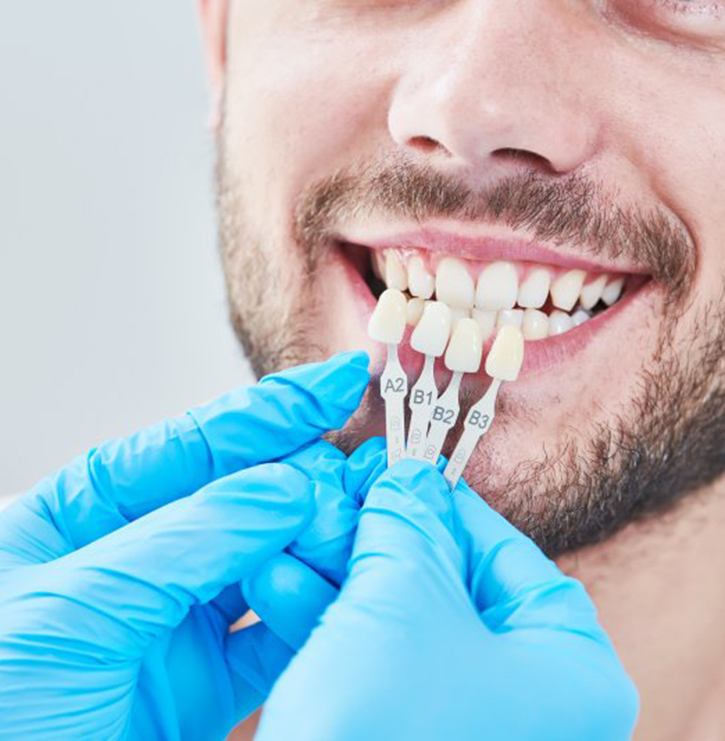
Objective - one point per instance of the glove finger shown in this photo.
(289, 597)
(125, 479)
(256, 657)
(122, 591)
(513, 584)
(364, 467)
(326, 544)
(405, 553)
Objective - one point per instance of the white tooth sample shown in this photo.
(431, 334)
(387, 323)
(534, 291)
(613, 291)
(454, 284)
(486, 321)
(414, 311)
(536, 325)
(465, 348)
(510, 318)
(559, 322)
(396, 275)
(421, 283)
(579, 317)
(498, 287)
(592, 292)
(506, 357)
(566, 288)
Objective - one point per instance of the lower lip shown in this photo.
(541, 355)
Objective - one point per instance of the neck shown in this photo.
(660, 592)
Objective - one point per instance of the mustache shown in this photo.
(570, 209)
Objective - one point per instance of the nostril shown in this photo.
(523, 156)
(425, 144)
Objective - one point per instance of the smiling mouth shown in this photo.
(557, 301)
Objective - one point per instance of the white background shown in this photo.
(112, 310)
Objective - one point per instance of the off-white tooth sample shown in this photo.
(387, 323)
(396, 275)
(559, 322)
(486, 321)
(431, 334)
(421, 283)
(592, 292)
(506, 357)
(536, 325)
(454, 284)
(612, 291)
(414, 311)
(566, 288)
(534, 291)
(498, 286)
(580, 316)
(510, 318)
(465, 348)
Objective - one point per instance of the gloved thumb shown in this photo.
(128, 587)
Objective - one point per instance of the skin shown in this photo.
(627, 94)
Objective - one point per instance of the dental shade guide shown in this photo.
(387, 325)
(463, 355)
(502, 364)
(429, 338)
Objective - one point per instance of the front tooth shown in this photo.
(579, 317)
(431, 334)
(559, 322)
(613, 291)
(592, 292)
(465, 348)
(420, 282)
(395, 274)
(387, 323)
(486, 321)
(566, 288)
(536, 325)
(457, 314)
(510, 318)
(535, 289)
(454, 285)
(414, 311)
(498, 286)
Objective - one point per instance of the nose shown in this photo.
(490, 81)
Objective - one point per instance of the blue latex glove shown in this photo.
(451, 624)
(119, 576)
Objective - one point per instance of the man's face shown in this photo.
(553, 135)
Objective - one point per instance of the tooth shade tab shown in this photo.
(387, 323)
(454, 284)
(506, 356)
(534, 290)
(465, 348)
(612, 291)
(486, 321)
(510, 318)
(431, 334)
(497, 287)
(566, 288)
(592, 292)
(535, 325)
(414, 311)
(420, 282)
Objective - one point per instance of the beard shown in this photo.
(591, 482)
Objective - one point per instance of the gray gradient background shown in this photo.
(111, 303)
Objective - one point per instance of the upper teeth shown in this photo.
(502, 293)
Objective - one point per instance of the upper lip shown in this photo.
(487, 248)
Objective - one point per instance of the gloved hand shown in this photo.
(119, 576)
(451, 624)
